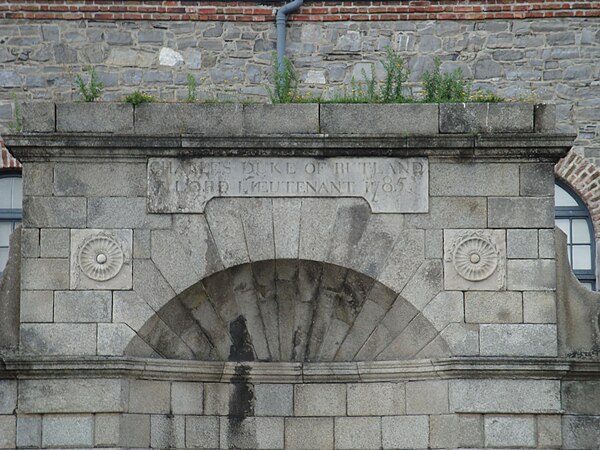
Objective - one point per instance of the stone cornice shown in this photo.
(31, 367)
(64, 147)
(122, 131)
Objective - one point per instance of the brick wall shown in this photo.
(7, 161)
(252, 11)
(584, 178)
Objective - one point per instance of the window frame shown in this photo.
(578, 212)
(11, 214)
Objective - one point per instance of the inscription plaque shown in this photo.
(390, 185)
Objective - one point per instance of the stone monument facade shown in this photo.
(546, 51)
(287, 276)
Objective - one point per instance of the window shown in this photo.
(11, 197)
(573, 218)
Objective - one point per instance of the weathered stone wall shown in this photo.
(258, 322)
(545, 52)
(407, 411)
(435, 413)
(550, 60)
(90, 371)
(68, 201)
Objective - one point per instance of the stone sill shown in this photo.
(292, 372)
(237, 120)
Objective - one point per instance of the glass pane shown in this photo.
(5, 230)
(581, 231)
(582, 257)
(17, 193)
(563, 224)
(5, 193)
(588, 285)
(562, 197)
(3, 257)
(569, 255)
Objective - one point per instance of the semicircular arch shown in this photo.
(288, 310)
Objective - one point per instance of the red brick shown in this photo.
(232, 10)
(206, 10)
(103, 16)
(473, 16)
(29, 7)
(132, 16)
(263, 11)
(375, 10)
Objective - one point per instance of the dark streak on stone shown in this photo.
(241, 347)
(241, 402)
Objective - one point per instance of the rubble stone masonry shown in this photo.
(544, 51)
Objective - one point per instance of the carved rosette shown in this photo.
(476, 257)
(100, 258)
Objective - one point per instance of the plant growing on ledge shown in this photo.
(480, 96)
(396, 74)
(138, 97)
(90, 91)
(286, 82)
(192, 87)
(445, 87)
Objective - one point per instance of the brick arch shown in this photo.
(7, 161)
(583, 178)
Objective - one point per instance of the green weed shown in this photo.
(480, 96)
(357, 92)
(192, 87)
(445, 87)
(137, 98)
(369, 90)
(396, 74)
(92, 90)
(286, 82)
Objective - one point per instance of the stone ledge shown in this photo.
(94, 117)
(486, 118)
(407, 119)
(365, 119)
(26, 367)
(31, 147)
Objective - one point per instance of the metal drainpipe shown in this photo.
(282, 13)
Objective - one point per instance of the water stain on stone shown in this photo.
(240, 433)
(241, 402)
(241, 348)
